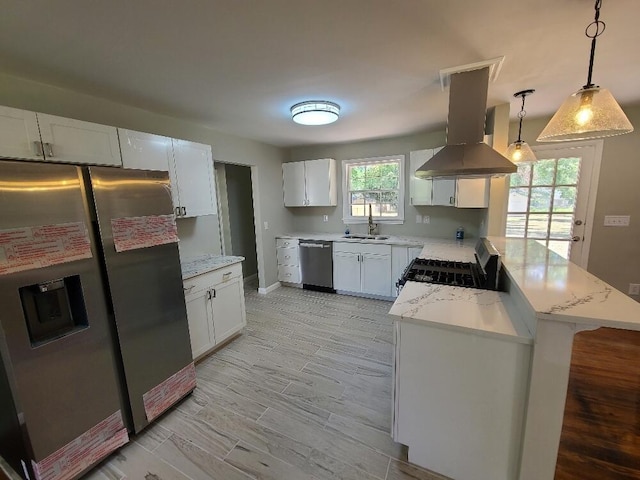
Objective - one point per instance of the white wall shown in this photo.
(266, 159)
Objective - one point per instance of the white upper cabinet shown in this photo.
(461, 192)
(145, 151)
(19, 134)
(310, 183)
(190, 167)
(74, 141)
(37, 136)
(192, 180)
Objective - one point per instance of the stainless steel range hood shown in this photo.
(465, 153)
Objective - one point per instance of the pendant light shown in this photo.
(591, 112)
(520, 151)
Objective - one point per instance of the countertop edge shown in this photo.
(213, 268)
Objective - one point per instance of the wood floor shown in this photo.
(304, 393)
(601, 430)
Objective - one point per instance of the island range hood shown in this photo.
(465, 153)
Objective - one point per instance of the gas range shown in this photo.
(483, 273)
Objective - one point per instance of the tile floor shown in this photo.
(304, 393)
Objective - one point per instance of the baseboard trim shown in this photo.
(250, 278)
(269, 289)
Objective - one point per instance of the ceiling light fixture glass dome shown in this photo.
(315, 112)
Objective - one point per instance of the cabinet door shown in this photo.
(293, 184)
(19, 134)
(145, 150)
(229, 315)
(444, 191)
(376, 271)
(320, 180)
(346, 271)
(472, 192)
(74, 141)
(199, 316)
(399, 260)
(419, 188)
(194, 178)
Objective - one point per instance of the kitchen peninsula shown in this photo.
(501, 354)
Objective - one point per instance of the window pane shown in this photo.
(564, 199)
(358, 211)
(568, 171)
(356, 178)
(538, 226)
(540, 199)
(372, 197)
(543, 171)
(518, 199)
(522, 176)
(515, 225)
(388, 197)
(389, 209)
(561, 226)
(561, 248)
(357, 198)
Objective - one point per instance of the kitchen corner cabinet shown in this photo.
(400, 259)
(215, 308)
(362, 268)
(310, 183)
(190, 167)
(460, 192)
(26, 135)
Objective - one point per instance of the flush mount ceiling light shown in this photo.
(315, 112)
(591, 112)
(520, 151)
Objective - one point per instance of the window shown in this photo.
(378, 182)
(542, 202)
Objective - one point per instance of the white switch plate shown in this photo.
(616, 220)
(325, 218)
(426, 219)
(266, 225)
(634, 289)
(418, 218)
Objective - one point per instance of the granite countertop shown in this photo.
(192, 266)
(560, 290)
(390, 240)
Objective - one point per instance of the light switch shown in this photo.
(266, 225)
(325, 218)
(616, 220)
(426, 219)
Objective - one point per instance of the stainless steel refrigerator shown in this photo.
(94, 341)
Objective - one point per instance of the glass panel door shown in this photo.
(548, 199)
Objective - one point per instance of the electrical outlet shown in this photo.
(266, 225)
(418, 218)
(426, 219)
(634, 289)
(617, 220)
(325, 218)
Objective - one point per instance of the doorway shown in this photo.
(552, 200)
(237, 225)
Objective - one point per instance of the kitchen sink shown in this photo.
(361, 236)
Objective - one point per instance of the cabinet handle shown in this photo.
(49, 149)
(214, 293)
(208, 294)
(184, 211)
(451, 200)
(38, 148)
(225, 276)
(177, 211)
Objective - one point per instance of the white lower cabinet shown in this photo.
(401, 256)
(362, 268)
(215, 307)
(288, 258)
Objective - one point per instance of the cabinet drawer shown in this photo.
(209, 279)
(288, 256)
(351, 247)
(286, 242)
(289, 273)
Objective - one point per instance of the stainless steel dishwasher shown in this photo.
(316, 260)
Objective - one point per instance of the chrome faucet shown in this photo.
(372, 226)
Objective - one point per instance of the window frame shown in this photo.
(347, 218)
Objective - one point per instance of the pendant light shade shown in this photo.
(588, 113)
(591, 112)
(315, 112)
(520, 151)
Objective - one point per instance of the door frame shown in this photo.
(592, 191)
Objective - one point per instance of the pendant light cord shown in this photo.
(593, 35)
(521, 115)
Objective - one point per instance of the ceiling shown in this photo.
(238, 65)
